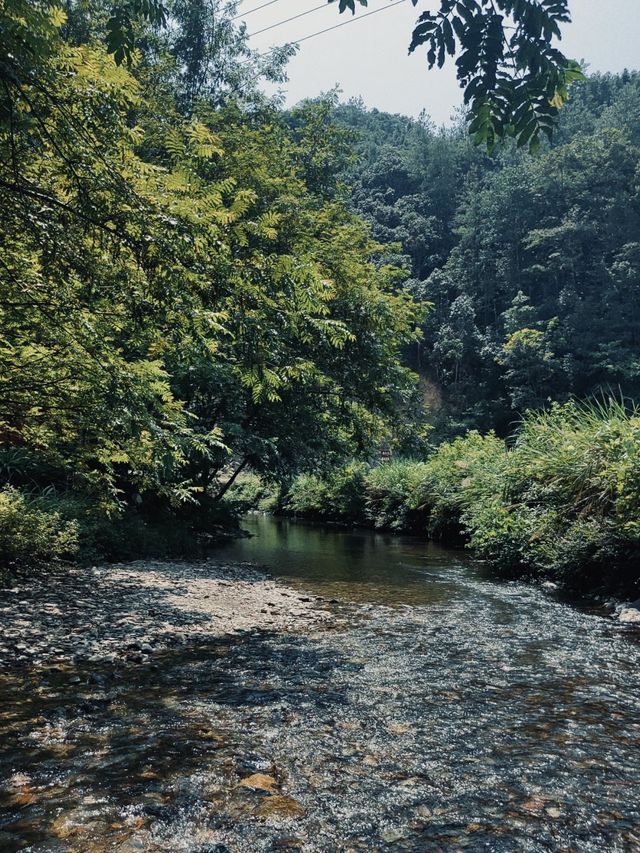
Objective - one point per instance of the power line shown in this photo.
(286, 20)
(257, 9)
(334, 27)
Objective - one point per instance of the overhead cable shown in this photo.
(293, 18)
(257, 9)
(334, 27)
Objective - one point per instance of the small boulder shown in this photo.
(259, 782)
(279, 806)
(391, 835)
(629, 615)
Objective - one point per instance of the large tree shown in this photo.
(183, 288)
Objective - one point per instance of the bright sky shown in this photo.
(368, 58)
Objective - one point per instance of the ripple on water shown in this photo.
(496, 720)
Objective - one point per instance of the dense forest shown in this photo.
(198, 284)
(530, 265)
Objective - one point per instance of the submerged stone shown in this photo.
(259, 782)
(279, 805)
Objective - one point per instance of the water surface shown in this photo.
(441, 712)
(351, 564)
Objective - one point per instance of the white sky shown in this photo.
(368, 58)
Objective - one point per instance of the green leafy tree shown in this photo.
(514, 77)
(185, 293)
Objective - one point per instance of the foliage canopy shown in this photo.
(184, 291)
(513, 75)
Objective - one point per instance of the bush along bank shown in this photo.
(560, 502)
(44, 526)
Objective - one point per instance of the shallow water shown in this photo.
(468, 715)
(352, 565)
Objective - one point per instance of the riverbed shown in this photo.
(431, 709)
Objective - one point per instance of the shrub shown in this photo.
(308, 496)
(390, 495)
(251, 492)
(30, 534)
(346, 495)
(567, 503)
(340, 496)
(458, 476)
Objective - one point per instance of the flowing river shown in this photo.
(438, 711)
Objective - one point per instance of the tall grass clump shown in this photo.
(467, 472)
(390, 491)
(570, 501)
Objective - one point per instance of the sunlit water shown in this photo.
(441, 712)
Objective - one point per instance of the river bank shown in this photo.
(130, 612)
(558, 501)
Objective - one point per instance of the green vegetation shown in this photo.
(30, 534)
(202, 293)
(531, 265)
(185, 294)
(250, 491)
(562, 501)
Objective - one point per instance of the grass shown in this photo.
(560, 501)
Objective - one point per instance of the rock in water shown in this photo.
(629, 614)
(260, 782)
(392, 835)
(279, 806)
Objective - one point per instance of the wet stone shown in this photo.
(259, 782)
(630, 616)
(279, 806)
(287, 845)
(403, 729)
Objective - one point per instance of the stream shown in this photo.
(438, 710)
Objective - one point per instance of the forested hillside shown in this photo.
(530, 270)
(531, 264)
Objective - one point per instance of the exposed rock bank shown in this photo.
(630, 615)
(131, 611)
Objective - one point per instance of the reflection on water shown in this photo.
(355, 565)
(484, 717)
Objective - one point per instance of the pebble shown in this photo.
(134, 611)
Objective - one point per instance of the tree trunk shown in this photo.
(223, 491)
